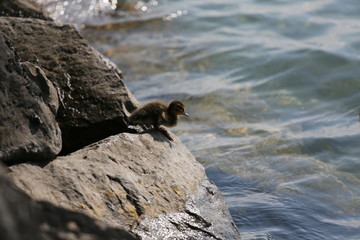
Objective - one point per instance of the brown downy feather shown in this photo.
(157, 113)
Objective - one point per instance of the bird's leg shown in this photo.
(164, 131)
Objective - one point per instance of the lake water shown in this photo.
(273, 90)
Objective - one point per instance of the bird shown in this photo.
(156, 113)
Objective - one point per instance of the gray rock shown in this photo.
(22, 218)
(21, 8)
(94, 101)
(205, 216)
(47, 89)
(141, 182)
(28, 104)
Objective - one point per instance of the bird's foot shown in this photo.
(165, 132)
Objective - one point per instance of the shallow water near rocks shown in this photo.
(273, 90)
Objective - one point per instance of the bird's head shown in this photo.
(177, 107)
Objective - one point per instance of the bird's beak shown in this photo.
(185, 114)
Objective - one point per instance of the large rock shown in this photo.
(28, 105)
(21, 8)
(142, 182)
(93, 99)
(22, 218)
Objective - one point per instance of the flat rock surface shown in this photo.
(93, 99)
(141, 182)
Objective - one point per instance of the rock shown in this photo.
(141, 182)
(21, 8)
(94, 101)
(47, 89)
(205, 216)
(22, 218)
(28, 104)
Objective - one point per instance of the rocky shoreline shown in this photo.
(66, 143)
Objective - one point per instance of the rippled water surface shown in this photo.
(273, 90)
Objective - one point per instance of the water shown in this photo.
(273, 89)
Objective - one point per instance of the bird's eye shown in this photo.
(180, 108)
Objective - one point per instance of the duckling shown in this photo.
(157, 113)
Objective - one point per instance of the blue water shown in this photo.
(273, 90)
